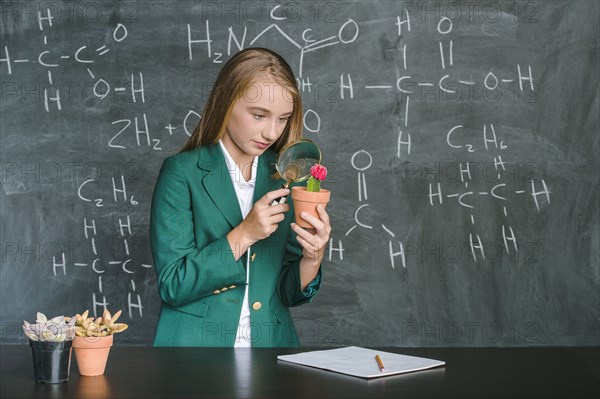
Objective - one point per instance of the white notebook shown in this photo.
(360, 362)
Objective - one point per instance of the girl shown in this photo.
(228, 264)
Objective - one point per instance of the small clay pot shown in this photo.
(92, 354)
(307, 201)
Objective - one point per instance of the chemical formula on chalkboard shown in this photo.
(459, 139)
(85, 56)
(360, 161)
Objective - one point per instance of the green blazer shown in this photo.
(201, 285)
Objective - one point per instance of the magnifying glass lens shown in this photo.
(291, 173)
(295, 161)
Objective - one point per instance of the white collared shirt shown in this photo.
(244, 191)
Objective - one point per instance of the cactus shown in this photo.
(100, 327)
(317, 175)
(57, 329)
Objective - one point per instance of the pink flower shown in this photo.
(319, 172)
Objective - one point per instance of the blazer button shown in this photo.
(216, 292)
(232, 286)
(253, 257)
(224, 289)
(256, 305)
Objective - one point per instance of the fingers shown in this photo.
(324, 216)
(270, 215)
(314, 242)
(321, 224)
(313, 245)
(275, 214)
(317, 224)
(265, 203)
(311, 248)
(272, 195)
(276, 218)
(263, 219)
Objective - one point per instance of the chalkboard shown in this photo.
(461, 138)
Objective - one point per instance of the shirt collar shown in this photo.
(235, 171)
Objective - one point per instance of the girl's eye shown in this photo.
(259, 117)
(283, 120)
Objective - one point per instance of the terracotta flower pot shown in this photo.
(92, 353)
(307, 201)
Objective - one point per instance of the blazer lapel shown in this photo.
(217, 183)
(264, 175)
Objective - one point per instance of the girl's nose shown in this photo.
(271, 131)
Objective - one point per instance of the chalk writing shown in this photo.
(132, 126)
(489, 140)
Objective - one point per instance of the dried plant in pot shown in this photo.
(306, 198)
(93, 340)
(50, 341)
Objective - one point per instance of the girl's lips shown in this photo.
(261, 145)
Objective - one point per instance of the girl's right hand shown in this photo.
(263, 219)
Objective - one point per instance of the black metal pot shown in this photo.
(51, 361)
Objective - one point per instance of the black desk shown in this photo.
(146, 372)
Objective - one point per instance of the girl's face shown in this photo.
(257, 119)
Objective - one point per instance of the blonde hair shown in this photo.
(232, 83)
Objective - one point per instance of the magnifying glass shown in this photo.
(294, 163)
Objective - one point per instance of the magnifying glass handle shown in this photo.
(280, 200)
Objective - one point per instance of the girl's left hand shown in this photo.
(314, 240)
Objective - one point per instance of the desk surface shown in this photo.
(147, 372)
